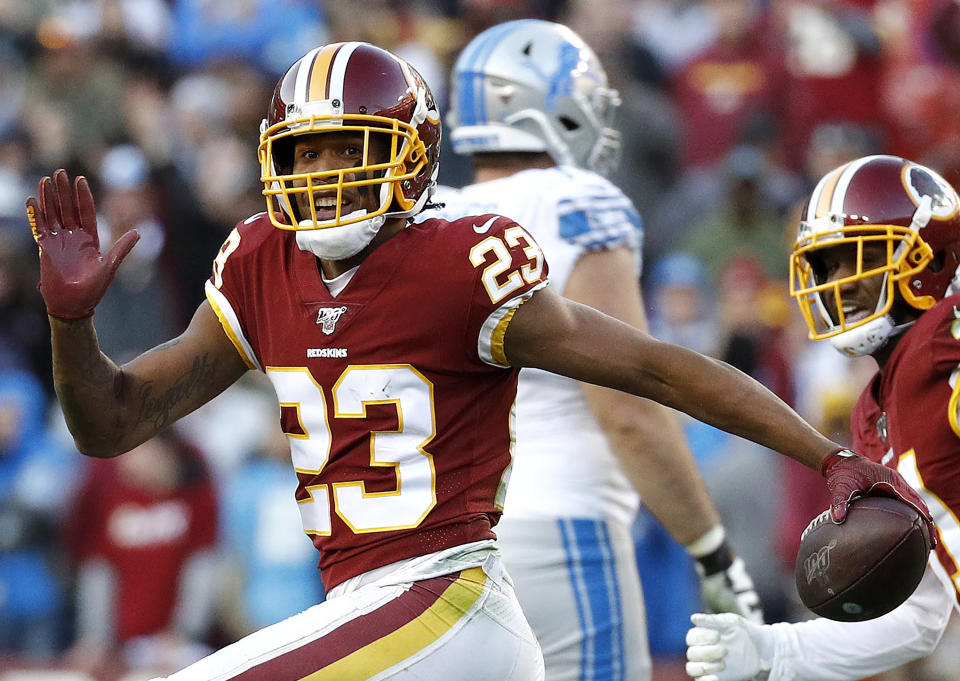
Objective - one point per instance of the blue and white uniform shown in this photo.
(565, 533)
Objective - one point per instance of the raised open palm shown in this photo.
(74, 275)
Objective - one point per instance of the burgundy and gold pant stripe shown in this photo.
(375, 641)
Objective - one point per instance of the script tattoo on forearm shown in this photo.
(156, 408)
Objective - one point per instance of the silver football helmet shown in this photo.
(532, 85)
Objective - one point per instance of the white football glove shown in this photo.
(727, 647)
(730, 590)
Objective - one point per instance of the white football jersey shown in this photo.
(563, 466)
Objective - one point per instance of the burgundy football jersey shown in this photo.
(395, 395)
(907, 419)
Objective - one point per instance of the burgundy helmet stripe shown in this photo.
(338, 69)
(846, 177)
(830, 195)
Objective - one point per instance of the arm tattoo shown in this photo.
(156, 408)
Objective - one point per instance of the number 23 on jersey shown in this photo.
(496, 285)
(403, 449)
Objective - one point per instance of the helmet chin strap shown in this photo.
(867, 338)
(342, 242)
(870, 337)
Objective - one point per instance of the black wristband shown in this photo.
(717, 561)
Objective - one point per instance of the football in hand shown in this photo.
(866, 566)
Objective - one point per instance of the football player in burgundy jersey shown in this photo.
(876, 271)
(394, 350)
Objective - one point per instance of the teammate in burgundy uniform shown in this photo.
(876, 271)
(394, 350)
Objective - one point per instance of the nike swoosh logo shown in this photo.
(482, 229)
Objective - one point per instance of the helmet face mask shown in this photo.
(534, 86)
(381, 169)
(350, 88)
(900, 224)
(878, 254)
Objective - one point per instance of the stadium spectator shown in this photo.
(834, 67)
(23, 333)
(267, 34)
(142, 533)
(675, 31)
(744, 224)
(37, 476)
(731, 87)
(206, 182)
(921, 82)
(681, 306)
(142, 308)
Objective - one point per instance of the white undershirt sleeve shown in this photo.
(826, 650)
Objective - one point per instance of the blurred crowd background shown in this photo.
(732, 109)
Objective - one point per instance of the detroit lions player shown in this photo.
(532, 106)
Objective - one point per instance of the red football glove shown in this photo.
(851, 475)
(73, 274)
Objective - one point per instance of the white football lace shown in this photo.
(816, 522)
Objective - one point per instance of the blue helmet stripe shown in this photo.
(465, 77)
(477, 105)
(471, 109)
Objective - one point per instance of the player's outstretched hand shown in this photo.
(851, 475)
(727, 647)
(74, 275)
(726, 586)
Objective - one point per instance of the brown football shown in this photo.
(866, 566)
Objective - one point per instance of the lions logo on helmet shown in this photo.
(534, 85)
